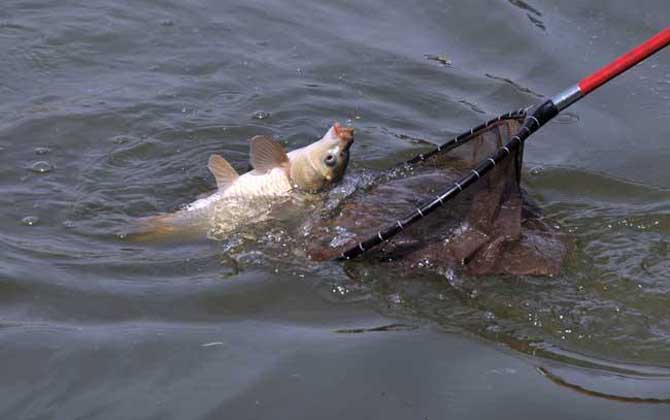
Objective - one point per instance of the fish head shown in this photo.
(324, 162)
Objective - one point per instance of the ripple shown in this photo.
(567, 118)
(443, 60)
(42, 150)
(537, 22)
(525, 6)
(473, 107)
(41, 167)
(261, 115)
(515, 85)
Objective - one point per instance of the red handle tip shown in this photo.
(626, 61)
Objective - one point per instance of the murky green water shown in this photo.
(110, 110)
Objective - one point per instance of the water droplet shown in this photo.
(261, 115)
(30, 220)
(41, 167)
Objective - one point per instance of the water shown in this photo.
(110, 110)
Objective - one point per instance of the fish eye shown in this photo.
(329, 160)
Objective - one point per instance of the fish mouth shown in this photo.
(344, 134)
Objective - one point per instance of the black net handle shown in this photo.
(531, 124)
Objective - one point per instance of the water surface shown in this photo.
(110, 110)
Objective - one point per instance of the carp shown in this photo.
(249, 198)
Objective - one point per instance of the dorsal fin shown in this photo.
(222, 171)
(267, 154)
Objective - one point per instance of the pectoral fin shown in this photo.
(222, 171)
(267, 154)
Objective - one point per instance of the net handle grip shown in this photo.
(625, 61)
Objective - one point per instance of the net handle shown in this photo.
(625, 61)
(612, 70)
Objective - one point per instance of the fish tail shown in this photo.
(163, 226)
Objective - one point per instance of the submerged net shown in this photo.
(488, 228)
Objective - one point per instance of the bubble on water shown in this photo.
(41, 167)
(340, 290)
(536, 170)
(42, 150)
(30, 220)
(261, 115)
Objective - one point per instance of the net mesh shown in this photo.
(477, 229)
